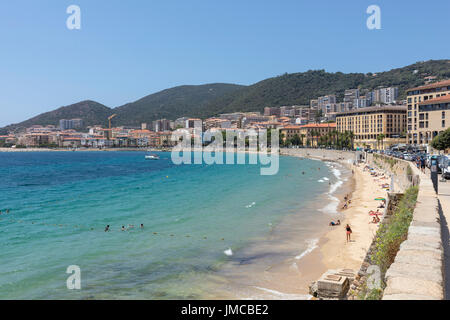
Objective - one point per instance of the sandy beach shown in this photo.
(290, 278)
(334, 252)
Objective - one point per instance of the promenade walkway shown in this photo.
(417, 271)
(444, 200)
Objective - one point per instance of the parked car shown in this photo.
(444, 163)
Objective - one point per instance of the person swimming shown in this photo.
(123, 228)
(107, 228)
(142, 226)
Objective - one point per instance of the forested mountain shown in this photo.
(211, 99)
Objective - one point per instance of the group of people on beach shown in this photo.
(347, 202)
(130, 226)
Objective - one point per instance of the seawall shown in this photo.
(417, 271)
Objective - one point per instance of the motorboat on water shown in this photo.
(151, 157)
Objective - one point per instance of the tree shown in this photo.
(281, 140)
(296, 140)
(381, 137)
(441, 141)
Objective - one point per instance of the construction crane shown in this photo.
(109, 128)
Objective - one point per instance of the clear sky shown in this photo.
(128, 49)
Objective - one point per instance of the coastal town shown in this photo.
(375, 119)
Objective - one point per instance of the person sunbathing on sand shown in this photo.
(332, 223)
(375, 219)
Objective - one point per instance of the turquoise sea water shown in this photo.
(60, 203)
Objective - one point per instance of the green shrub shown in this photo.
(390, 236)
(374, 294)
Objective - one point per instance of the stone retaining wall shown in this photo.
(399, 171)
(417, 271)
(320, 154)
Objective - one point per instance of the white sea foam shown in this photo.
(284, 296)
(312, 244)
(228, 252)
(336, 172)
(332, 206)
(320, 180)
(335, 186)
(325, 178)
(250, 205)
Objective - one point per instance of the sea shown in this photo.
(207, 229)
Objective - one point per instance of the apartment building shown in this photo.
(351, 95)
(70, 124)
(434, 117)
(370, 124)
(417, 118)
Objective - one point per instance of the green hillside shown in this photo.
(211, 99)
(90, 111)
(300, 88)
(172, 103)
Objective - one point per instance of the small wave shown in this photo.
(335, 186)
(325, 178)
(312, 244)
(285, 296)
(320, 180)
(250, 205)
(228, 252)
(331, 207)
(336, 172)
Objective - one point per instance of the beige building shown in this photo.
(289, 132)
(434, 117)
(424, 125)
(371, 124)
(309, 132)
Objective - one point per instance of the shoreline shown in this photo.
(295, 248)
(333, 251)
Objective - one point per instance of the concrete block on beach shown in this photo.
(334, 284)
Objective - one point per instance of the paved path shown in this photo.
(444, 200)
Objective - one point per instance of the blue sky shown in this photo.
(128, 49)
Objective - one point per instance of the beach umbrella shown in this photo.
(380, 199)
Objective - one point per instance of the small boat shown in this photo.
(151, 157)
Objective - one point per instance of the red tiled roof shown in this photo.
(442, 99)
(432, 85)
(320, 125)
